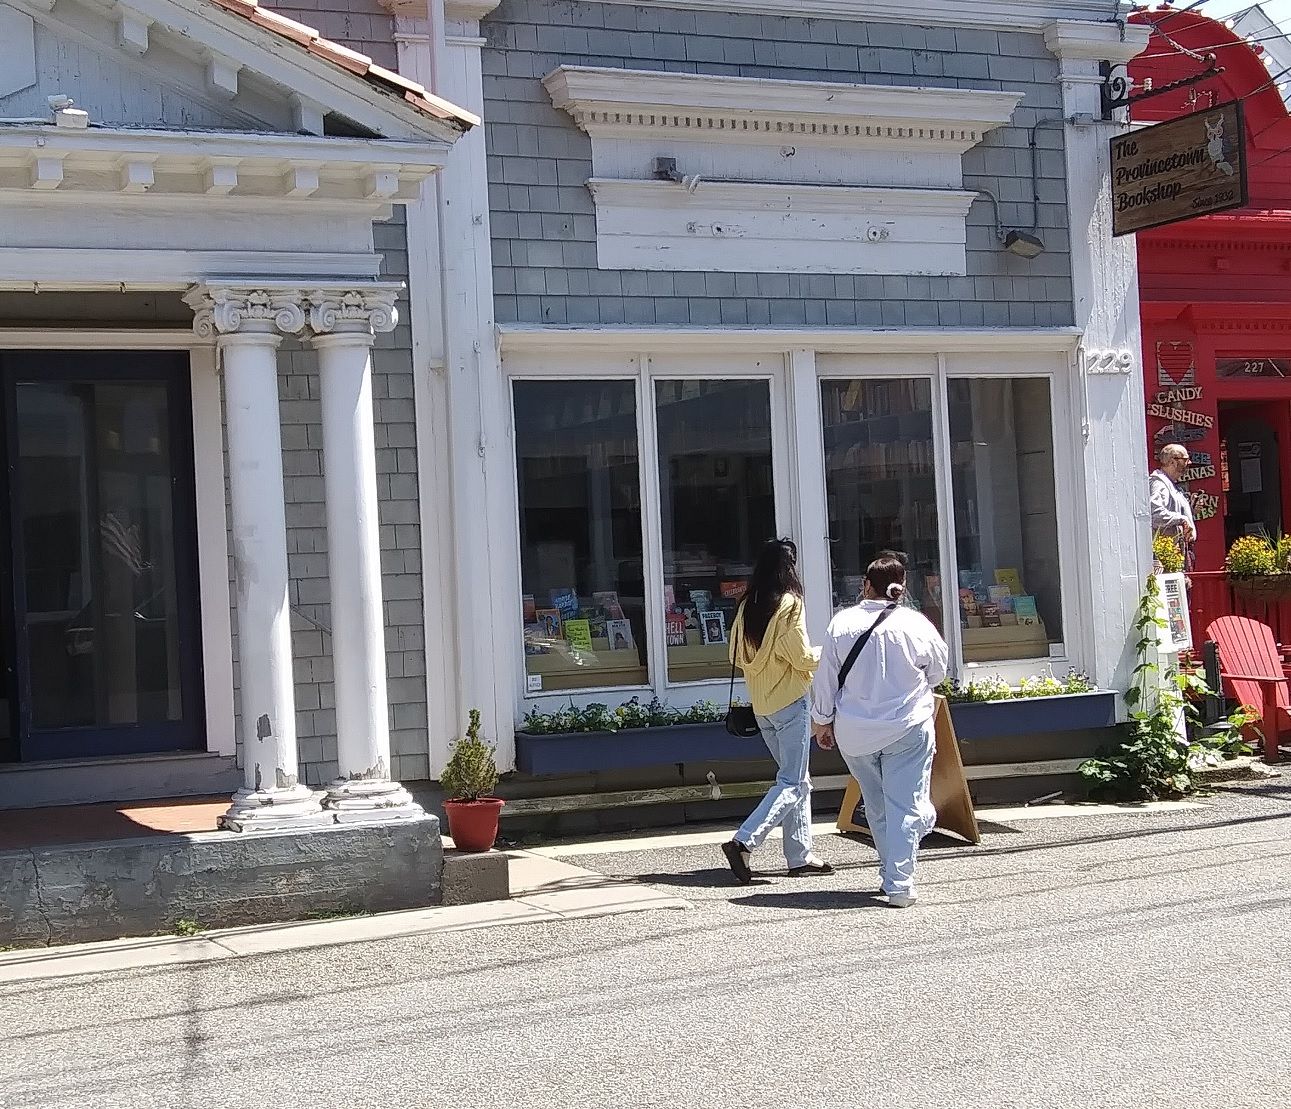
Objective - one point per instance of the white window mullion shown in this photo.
(810, 497)
(946, 518)
(651, 528)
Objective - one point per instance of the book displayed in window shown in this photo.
(578, 634)
(619, 634)
(676, 629)
(713, 625)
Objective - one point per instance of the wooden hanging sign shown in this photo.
(1180, 169)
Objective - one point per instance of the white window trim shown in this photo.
(801, 497)
(212, 524)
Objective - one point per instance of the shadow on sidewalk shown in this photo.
(714, 878)
(813, 899)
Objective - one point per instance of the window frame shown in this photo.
(800, 486)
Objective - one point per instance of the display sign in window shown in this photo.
(1006, 518)
(582, 572)
(717, 500)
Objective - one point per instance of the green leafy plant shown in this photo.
(1166, 550)
(631, 714)
(188, 928)
(472, 772)
(1152, 762)
(1252, 556)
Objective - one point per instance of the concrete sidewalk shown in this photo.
(543, 890)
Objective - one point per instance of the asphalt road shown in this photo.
(1130, 961)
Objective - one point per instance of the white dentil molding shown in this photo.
(616, 102)
(194, 164)
(1005, 15)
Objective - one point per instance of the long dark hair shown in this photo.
(775, 573)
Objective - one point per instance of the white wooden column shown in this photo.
(344, 323)
(247, 325)
(1107, 381)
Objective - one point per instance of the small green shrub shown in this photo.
(188, 928)
(1251, 556)
(472, 772)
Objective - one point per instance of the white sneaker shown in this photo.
(902, 900)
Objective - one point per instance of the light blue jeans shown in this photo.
(787, 734)
(896, 784)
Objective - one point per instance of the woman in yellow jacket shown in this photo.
(769, 644)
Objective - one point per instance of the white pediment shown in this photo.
(257, 78)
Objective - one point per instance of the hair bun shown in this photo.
(896, 591)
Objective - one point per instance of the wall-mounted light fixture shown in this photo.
(1024, 244)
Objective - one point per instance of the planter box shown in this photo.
(584, 752)
(1066, 713)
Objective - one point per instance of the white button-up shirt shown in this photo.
(890, 688)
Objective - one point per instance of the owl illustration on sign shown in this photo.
(1215, 145)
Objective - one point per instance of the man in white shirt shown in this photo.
(880, 717)
(1171, 509)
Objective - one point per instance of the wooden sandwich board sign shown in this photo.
(950, 796)
(1191, 166)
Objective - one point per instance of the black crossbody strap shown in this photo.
(859, 645)
(735, 654)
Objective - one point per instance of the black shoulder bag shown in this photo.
(859, 645)
(740, 720)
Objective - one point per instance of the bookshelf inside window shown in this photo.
(717, 499)
(582, 569)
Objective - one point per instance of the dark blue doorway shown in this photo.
(101, 615)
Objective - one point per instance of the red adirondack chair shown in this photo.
(1249, 661)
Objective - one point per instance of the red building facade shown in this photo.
(1216, 293)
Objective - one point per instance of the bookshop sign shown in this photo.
(1192, 166)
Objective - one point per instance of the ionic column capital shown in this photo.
(224, 310)
(352, 311)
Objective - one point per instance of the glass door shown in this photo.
(104, 596)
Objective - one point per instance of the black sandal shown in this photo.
(735, 853)
(811, 870)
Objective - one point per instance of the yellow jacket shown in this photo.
(780, 670)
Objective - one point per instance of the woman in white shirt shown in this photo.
(880, 717)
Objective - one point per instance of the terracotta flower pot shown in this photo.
(474, 824)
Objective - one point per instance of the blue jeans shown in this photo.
(787, 734)
(896, 784)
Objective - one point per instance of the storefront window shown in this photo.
(1006, 521)
(580, 534)
(881, 484)
(716, 492)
